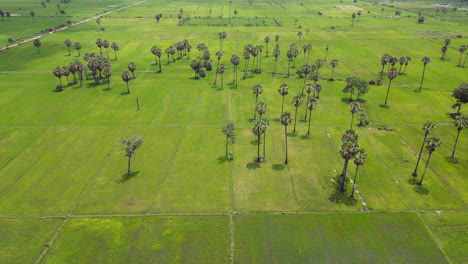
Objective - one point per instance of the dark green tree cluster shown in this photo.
(350, 150)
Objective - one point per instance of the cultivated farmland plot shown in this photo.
(66, 195)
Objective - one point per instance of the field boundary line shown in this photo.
(47, 245)
(429, 231)
(66, 27)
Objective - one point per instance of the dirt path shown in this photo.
(71, 25)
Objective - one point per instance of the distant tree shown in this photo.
(158, 17)
(306, 69)
(461, 49)
(352, 84)
(355, 106)
(246, 64)
(235, 13)
(265, 123)
(276, 54)
(157, 52)
(421, 19)
(391, 74)
(297, 102)
(32, 14)
(398, 14)
(359, 14)
(460, 122)
(258, 129)
(98, 21)
(219, 54)
(285, 120)
(401, 60)
(326, 52)
(228, 130)
(196, 66)
(256, 90)
(222, 36)
(427, 127)
(68, 43)
(126, 77)
(267, 40)
(37, 44)
(79, 69)
(384, 61)
(461, 94)
(382, 10)
(300, 34)
(261, 108)
(444, 49)
(277, 37)
(283, 91)
(132, 67)
(2, 15)
(349, 148)
(106, 44)
(72, 68)
(309, 87)
(66, 73)
(221, 69)
(407, 61)
(131, 145)
(58, 72)
(425, 60)
(8, 15)
(359, 159)
(333, 63)
(107, 73)
(235, 60)
(99, 45)
(311, 102)
(44, 6)
(432, 144)
(353, 16)
(78, 48)
(116, 48)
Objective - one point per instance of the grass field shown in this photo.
(65, 195)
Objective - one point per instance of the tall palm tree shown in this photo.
(99, 45)
(309, 86)
(235, 60)
(267, 40)
(256, 90)
(311, 102)
(261, 108)
(391, 74)
(348, 150)
(283, 90)
(460, 122)
(425, 60)
(221, 70)
(219, 54)
(221, 36)
(355, 106)
(296, 101)
(265, 123)
(78, 47)
(228, 130)
(359, 159)
(333, 63)
(306, 69)
(132, 67)
(461, 49)
(68, 43)
(290, 55)
(107, 73)
(58, 72)
(126, 77)
(116, 48)
(427, 127)
(285, 120)
(32, 14)
(246, 64)
(353, 16)
(402, 61)
(106, 44)
(276, 54)
(407, 61)
(258, 129)
(37, 44)
(444, 50)
(98, 21)
(326, 52)
(384, 61)
(432, 144)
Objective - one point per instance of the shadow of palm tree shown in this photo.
(278, 167)
(339, 197)
(304, 137)
(421, 190)
(253, 165)
(126, 177)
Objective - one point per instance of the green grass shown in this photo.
(184, 202)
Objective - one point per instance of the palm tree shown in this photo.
(219, 54)
(221, 36)
(355, 106)
(126, 77)
(461, 94)
(32, 14)
(106, 45)
(72, 68)
(297, 101)
(333, 63)
(311, 102)
(359, 159)
(391, 74)
(235, 60)
(348, 150)
(461, 49)
(401, 60)
(285, 120)
(66, 72)
(58, 72)
(196, 66)
(228, 130)
(265, 123)
(261, 108)
(353, 16)
(99, 44)
(132, 67)
(444, 50)
(130, 146)
(283, 90)
(98, 21)
(267, 40)
(384, 61)
(37, 44)
(309, 86)
(80, 68)
(382, 9)
(256, 90)
(326, 52)
(407, 61)
(425, 60)
(276, 54)
(258, 129)
(427, 127)
(306, 69)
(432, 144)
(221, 70)
(246, 58)
(68, 43)
(107, 73)
(78, 47)
(460, 122)
(116, 48)
(290, 55)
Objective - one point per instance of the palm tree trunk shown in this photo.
(286, 136)
(295, 120)
(274, 72)
(60, 79)
(343, 175)
(128, 171)
(399, 70)
(79, 54)
(216, 74)
(255, 110)
(222, 80)
(406, 65)
(69, 54)
(388, 90)
(424, 173)
(305, 116)
(227, 142)
(115, 55)
(354, 181)
(333, 72)
(352, 119)
(456, 141)
(282, 105)
(415, 172)
(128, 89)
(464, 61)
(159, 61)
(459, 60)
(289, 62)
(258, 148)
(422, 79)
(310, 117)
(108, 83)
(264, 145)
(107, 53)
